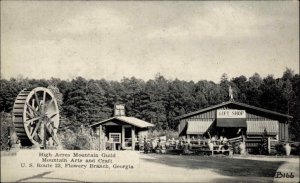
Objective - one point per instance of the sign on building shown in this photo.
(231, 113)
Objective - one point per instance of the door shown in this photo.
(127, 137)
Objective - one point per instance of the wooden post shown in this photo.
(269, 145)
(43, 135)
(113, 146)
(100, 138)
(133, 138)
(123, 138)
(286, 131)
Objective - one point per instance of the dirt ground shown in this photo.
(167, 168)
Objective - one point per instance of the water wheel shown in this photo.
(36, 117)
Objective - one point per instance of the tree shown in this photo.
(131, 88)
(254, 91)
(76, 103)
(9, 90)
(271, 97)
(179, 100)
(158, 92)
(96, 97)
(240, 88)
(224, 84)
(295, 111)
(57, 94)
(158, 100)
(288, 74)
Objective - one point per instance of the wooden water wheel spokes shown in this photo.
(36, 116)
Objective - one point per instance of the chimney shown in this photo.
(119, 110)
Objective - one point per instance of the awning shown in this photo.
(231, 122)
(257, 127)
(198, 127)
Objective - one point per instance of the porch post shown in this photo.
(123, 137)
(100, 138)
(133, 137)
(269, 145)
(99, 133)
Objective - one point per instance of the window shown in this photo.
(115, 137)
(119, 110)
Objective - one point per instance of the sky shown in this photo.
(185, 40)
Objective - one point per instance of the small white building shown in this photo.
(120, 131)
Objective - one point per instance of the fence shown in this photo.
(271, 145)
(253, 144)
(209, 146)
(206, 146)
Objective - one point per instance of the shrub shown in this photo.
(295, 150)
(279, 149)
(83, 139)
(7, 129)
(169, 133)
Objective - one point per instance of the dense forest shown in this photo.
(158, 100)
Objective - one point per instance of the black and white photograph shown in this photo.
(149, 91)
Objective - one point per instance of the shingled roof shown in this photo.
(130, 120)
(235, 103)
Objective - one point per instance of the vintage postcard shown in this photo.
(150, 91)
